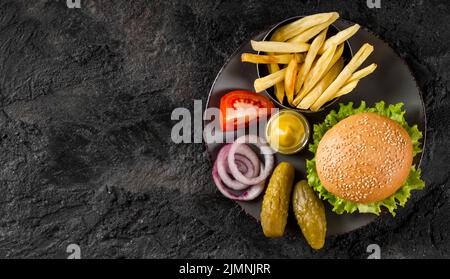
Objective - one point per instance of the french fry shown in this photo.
(318, 71)
(337, 55)
(292, 29)
(320, 87)
(310, 57)
(340, 37)
(300, 57)
(266, 59)
(279, 87)
(353, 81)
(279, 47)
(289, 80)
(275, 68)
(346, 73)
(270, 80)
(313, 31)
(362, 73)
(279, 91)
(347, 88)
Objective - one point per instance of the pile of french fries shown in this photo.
(305, 66)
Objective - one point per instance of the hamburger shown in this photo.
(364, 159)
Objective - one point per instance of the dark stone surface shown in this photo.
(85, 149)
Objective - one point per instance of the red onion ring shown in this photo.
(250, 193)
(252, 162)
(264, 148)
(244, 165)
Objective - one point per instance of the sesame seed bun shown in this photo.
(364, 158)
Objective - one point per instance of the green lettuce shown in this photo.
(391, 203)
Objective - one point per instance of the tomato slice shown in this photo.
(242, 107)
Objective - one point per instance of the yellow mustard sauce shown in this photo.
(287, 132)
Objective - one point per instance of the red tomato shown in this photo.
(242, 106)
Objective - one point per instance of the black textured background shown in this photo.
(85, 152)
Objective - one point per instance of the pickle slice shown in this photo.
(276, 200)
(310, 214)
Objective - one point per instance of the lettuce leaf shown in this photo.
(391, 203)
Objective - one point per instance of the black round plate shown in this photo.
(392, 82)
